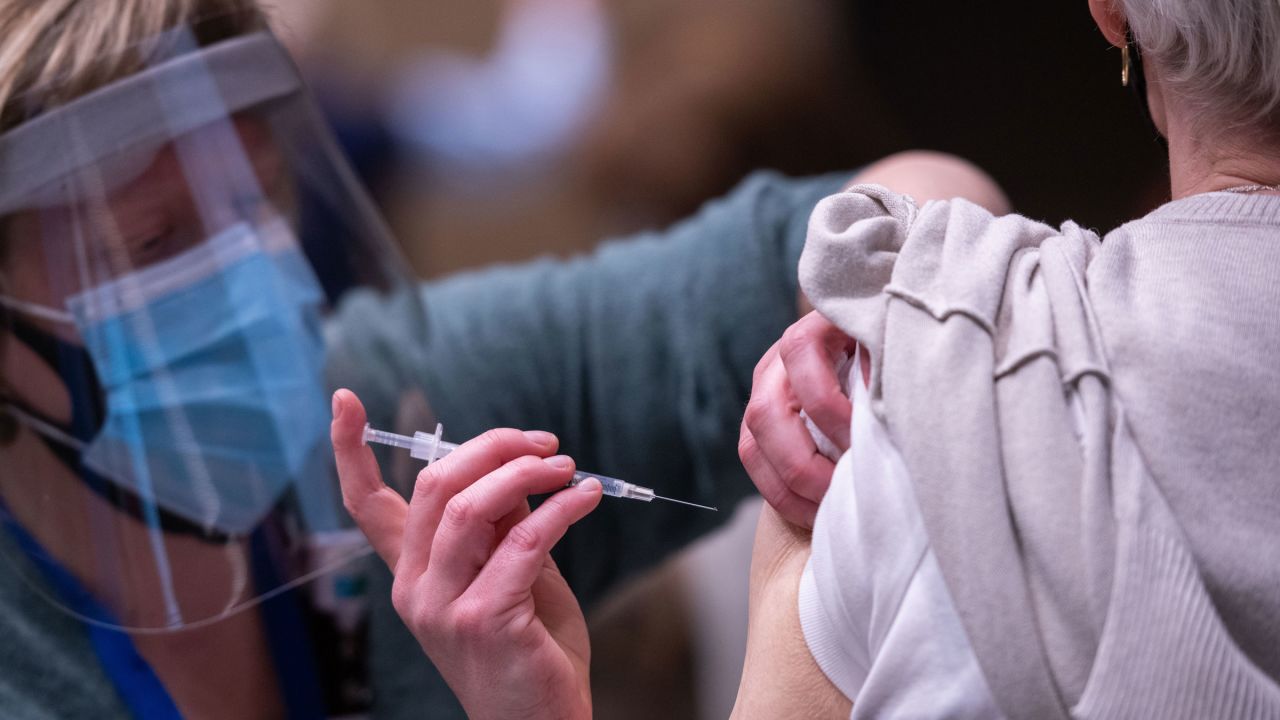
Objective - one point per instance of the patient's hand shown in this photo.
(780, 678)
(797, 373)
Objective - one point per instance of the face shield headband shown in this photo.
(38, 158)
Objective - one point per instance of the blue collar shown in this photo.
(138, 687)
(134, 680)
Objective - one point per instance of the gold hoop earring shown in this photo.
(1124, 66)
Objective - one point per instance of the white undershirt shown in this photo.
(874, 608)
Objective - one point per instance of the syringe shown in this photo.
(429, 448)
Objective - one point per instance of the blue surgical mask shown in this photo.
(211, 363)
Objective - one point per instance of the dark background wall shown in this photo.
(1030, 91)
(701, 92)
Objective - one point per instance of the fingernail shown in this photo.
(559, 462)
(588, 485)
(337, 406)
(539, 437)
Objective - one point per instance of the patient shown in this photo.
(1058, 497)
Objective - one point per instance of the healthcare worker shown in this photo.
(165, 471)
(170, 329)
(165, 480)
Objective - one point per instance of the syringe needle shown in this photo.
(682, 502)
(431, 448)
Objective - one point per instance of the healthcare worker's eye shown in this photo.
(151, 246)
(156, 245)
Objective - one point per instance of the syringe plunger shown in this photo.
(421, 446)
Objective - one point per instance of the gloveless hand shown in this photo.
(797, 373)
(474, 580)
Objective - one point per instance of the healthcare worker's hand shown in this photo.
(474, 580)
(797, 373)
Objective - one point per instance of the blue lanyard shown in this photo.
(135, 681)
(137, 685)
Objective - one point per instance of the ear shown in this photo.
(1111, 20)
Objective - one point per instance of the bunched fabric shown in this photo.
(1071, 534)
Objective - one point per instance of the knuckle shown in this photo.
(493, 441)
(352, 506)
(526, 465)
(793, 475)
(523, 539)
(791, 335)
(794, 348)
(827, 406)
(804, 331)
(748, 450)
(764, 362)
(428, 482)
(426, 625)
(522, 473)
(459, 512)
(756, 412)
(469, 621)
(402, 597)
(359, 507)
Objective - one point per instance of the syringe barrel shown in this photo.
(614, 487)
(381, 437)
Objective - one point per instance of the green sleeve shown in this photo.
(638, 356)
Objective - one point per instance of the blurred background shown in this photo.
(498, 130)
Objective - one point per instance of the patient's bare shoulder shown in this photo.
(780, 677)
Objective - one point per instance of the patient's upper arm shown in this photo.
(780, 677)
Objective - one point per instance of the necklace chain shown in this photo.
(1245, 189)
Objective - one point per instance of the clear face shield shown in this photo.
(170, 248)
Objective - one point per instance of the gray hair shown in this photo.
(1222, 56)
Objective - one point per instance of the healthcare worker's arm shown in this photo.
(638, 356)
